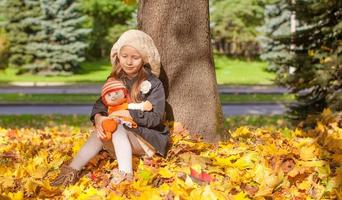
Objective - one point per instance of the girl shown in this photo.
(136, 62)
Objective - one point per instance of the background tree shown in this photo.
(58, 47)
(275, 33)
(234, 26)
(316, 59)
(181, 32)
(108, 19)
(19, 29)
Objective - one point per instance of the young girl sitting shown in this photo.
(136, 62)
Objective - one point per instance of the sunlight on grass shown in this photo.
(238, 72)
(91, 72)
(228, 71)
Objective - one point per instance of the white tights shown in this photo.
(122, 147)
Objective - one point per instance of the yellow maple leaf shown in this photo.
(308, 152)
(165, 173)
(16, 196)
(246, 161)
(241, 132)
(240, 196)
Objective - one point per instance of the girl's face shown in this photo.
(130, 60)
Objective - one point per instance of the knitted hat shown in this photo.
(143, 43)
(113, 85)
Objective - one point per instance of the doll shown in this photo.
(115, 96)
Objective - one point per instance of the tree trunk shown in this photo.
(180, 30)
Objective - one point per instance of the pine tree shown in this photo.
(19, 28)
(316, 59)
(275, 30)
(59, 45)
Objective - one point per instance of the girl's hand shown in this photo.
(98, 126)
(147, 106)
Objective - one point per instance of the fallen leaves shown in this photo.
(253, 164)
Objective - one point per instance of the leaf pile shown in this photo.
(253, 164)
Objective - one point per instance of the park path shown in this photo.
(228, 109)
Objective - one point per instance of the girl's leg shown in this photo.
(139, 146)
(90, 149)
(123, 150)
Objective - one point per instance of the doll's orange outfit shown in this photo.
(110, 125)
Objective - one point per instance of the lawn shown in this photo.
(91, 98)
(238, 72)
(228, 71)
(91, 72)
(82, 121)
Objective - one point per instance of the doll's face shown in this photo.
(115, 97)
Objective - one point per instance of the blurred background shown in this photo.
(269, 55)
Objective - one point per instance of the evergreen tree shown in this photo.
(59, 46)
(316, 59)
(275, 31)
(19, 28)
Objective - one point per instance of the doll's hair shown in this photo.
(118, 74)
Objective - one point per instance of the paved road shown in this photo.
(228, 110)
(232, 109)
(95, 89)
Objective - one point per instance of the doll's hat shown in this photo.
(143, 43)
(113, 85)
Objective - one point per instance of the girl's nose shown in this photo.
(129, 61)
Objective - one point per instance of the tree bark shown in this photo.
(180, 30)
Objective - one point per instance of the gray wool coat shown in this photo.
(150, 126)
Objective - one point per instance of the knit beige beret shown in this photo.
(143, 43)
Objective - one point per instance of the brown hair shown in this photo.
(118, 74)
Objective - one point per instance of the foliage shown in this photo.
(60, 46)
(45, 36)
(313, 69)
(107, 17)
(254, 163)
(274, 30)
(234, 26)
(19, 27)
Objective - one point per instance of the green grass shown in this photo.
(256, 98)
(228, 71)
(256, 121)
(41, 121)
(91, 72)
(49, 98)
(238, 72)
(82, 121)
(91, 98)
